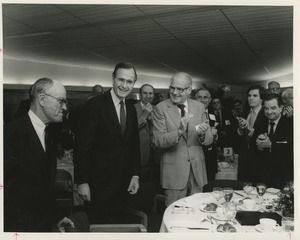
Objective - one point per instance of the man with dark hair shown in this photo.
(30, 162)
(106, 152)
(247, 124)
(274, 140)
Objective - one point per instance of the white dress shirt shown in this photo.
(38, 126)
(116, 102)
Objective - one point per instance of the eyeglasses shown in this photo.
(179, 90)
(61, 101)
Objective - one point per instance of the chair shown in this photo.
(235, 184)
(81, 223)
(63, 189)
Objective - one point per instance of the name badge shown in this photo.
(227, 122)
(212, 117)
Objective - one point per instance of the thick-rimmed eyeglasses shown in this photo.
(179, 90)
(61, 101)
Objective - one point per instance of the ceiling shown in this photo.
(232, 44)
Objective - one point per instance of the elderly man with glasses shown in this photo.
(180, 130)
(30, 162)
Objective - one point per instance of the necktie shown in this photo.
(271, 133)
(47, 140)
(181, 106)
(252, 118)
(122, 117)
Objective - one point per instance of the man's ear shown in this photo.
(41, 99)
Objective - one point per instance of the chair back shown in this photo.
(235, 184)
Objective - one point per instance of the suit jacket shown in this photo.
(145, 133)
(179, 156)
(29, 178)
(248, 150)
(276, 164)
(103, 158)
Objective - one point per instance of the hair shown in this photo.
(204, 89)
(41, 85)
(261, 90)
(144, 85)
(185, 75)
(287, 93)
(273, 82)
(237, 101)
(125, 66)
(270, 96)
(96, 87)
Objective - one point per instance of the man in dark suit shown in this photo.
(274, 140)
(247, 124)
(144, 110)
(106, 153)
(203, 95)
(30, 162)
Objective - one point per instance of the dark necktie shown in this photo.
(122, 117)
(271, 133)
(181, 106)
(47, 140)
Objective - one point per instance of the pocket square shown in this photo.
(281, 142)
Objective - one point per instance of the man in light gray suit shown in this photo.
(180, 130)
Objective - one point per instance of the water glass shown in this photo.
(287, 224)
(228, 193)
(229, 210)
(261, 189)
(217, 193)
(247, 187)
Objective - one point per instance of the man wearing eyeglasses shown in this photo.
(107, 153)
(180, 130)
(30, 162)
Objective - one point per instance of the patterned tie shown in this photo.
(271, 133)
(122, 117)
(181, 106)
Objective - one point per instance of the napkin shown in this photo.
(272, 190)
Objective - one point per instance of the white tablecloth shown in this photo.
(190, 215)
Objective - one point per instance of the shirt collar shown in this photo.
(256, 109)
(115, 98)
(276, 121)
(38, 124)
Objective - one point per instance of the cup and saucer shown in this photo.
(267, 225)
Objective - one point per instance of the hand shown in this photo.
(63, 223)
(84, 191)
(133, 185)
(149, 107)
(201, 128)
(242, 123)
(263, 141)
(289, 111)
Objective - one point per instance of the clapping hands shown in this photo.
(263, 141)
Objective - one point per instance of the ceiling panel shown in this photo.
(237, 44)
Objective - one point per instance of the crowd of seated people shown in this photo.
(260, 131)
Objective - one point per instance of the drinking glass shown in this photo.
(229, 210)
(228, 193)
(247, 187)
(217, 193)
(261, 189)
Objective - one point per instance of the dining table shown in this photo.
(189, 215)
(229, 172)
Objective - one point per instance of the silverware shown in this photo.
(190, 228)
(239, 194)
(209, 217)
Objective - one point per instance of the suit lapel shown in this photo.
(112, 115)
(35, 145)
(174, 113)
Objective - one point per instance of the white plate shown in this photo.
(259, 229)
(223, 218)
(242, 208)
(203, 210)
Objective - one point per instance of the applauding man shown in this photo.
(180, 129)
